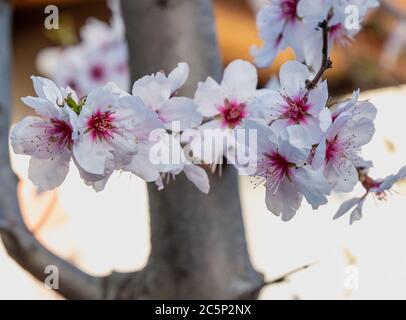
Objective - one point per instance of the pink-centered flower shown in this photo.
(225, 106)
(282, 168)
(344, 18)
(338, 151)
(279, 27)
(49, 138)
(293, 104)
(106, 131)
(379, 188)
(100, 57)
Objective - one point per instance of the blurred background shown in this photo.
(365, 261)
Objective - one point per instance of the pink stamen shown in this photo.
(289, 10)
(296, 109)
(100, 126)
(272, 170)
(233, 113)
(338, 34)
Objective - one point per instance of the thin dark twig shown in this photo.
(326, 62)
(286, 276)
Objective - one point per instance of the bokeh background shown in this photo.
(108, 231)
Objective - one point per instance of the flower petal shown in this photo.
(198, 176)
(240, 76)
(293, 76)
(182, 111)
(178, 76)
(209, 97)
(49, 173)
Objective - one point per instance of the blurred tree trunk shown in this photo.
(199, 249)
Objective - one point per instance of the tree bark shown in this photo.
(198, 243)
(19, 242)
(199, 249)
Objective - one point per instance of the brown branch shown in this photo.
(286, 276)
(326, 61)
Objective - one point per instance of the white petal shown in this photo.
(153, 90)
(342, 178)
(198, 176)
(294, 143)
(285, 201)
(389, 181)
(47, 89)
(320, 154)
(141, 164)
(181, 110)
(240, 76)
(293, 76)
(268, 107)
(209, 97)
(312, 184)
(42, 107)
(356, 214)
(178, 76)
(92, 155)
(318, 99)
(346, 206)
(49, 173)
(362, 130)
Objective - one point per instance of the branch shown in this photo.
(286, 276)
(326, 62)
(19, 242)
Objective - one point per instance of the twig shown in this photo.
(286, 276)
(326, 62)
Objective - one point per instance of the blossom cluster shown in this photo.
(290, 138)
(294, 23)
(100, 57)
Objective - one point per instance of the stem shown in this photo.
(326, 62)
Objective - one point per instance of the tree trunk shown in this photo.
(199, 249)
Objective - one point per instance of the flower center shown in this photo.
(339, 150)
(233, 113)
(97, 73)
(369, 183)
(100, 125)
(296, 109)
(289, 9)
(273, 168)
(338, 33)
(60, 132)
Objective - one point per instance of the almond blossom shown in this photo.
(279, 27)
(342, 20)
(100, 57)
(283, 169)
(107, 126)
(48, 139)
(293, 104)
(293, 23)
(338, 151)
(159, 91)
(225, 106)
(379, 188)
